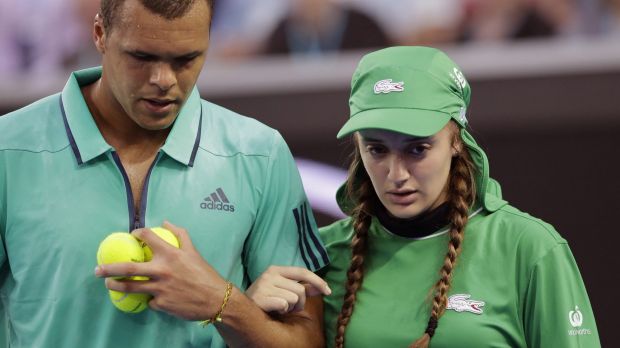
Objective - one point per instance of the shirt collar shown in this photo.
(88, 143)
(84, 136)
(184, 138)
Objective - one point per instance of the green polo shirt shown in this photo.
(515, 284)
(229, 180)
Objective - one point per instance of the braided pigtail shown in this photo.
(363, 191)
(461, 195)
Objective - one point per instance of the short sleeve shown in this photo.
(2, 246)
(285, 232)
(557, 310)
(3, 193)
(3, 207)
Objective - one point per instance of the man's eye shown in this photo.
(183, 61)
(142, 57)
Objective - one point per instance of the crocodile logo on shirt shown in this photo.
(217, 201)
(462, 303)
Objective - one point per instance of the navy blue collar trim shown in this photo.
(74, 147)
(197, 141)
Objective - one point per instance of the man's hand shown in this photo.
(284, 289)
(181, 281)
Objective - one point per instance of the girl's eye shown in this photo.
(419, 150)
(376, 150)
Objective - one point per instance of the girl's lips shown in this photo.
(402, 197)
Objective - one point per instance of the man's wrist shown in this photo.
(217, 317)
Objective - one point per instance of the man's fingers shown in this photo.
(180, 233)
(151, 239)
(137, 284)
(123, 269)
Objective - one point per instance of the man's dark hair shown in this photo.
(169, 9)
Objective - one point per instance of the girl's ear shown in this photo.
(456, 150)
(457, 142)
(457, 146)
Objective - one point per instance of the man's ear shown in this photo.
(99, 34)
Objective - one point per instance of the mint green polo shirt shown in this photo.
(229, 180)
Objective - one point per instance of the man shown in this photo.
(131, 145)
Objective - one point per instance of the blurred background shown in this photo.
(545, 77)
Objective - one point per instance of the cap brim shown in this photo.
(414, 122)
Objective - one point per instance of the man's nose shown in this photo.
(163, 76)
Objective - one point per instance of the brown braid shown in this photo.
(362, 216)
(461, 191)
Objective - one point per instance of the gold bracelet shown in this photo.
(218, 316)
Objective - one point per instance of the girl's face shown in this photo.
(409, 174)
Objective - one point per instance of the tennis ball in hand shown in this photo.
(119, 247)
(123, 247)
(130, 302)
(164, 234)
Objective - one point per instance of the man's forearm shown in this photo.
(244, 324)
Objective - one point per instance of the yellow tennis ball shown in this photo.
(119, 247)
(130, 302)
(123, 247)
(164, 234)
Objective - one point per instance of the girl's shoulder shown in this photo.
(338, 231)
(527, 233)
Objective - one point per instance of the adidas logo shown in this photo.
(217, 201)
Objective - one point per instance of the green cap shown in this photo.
(415, 91)
(412, 90)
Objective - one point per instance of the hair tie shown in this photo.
(432, 325)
